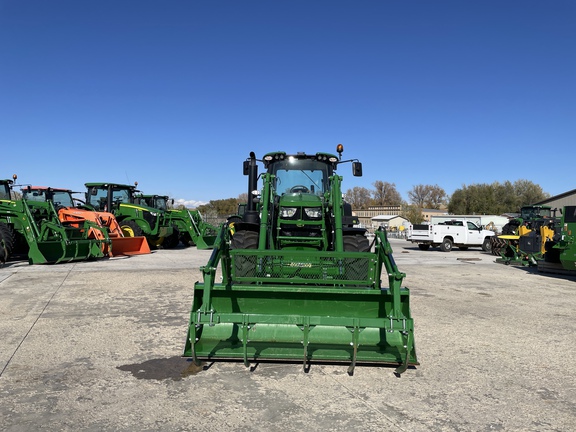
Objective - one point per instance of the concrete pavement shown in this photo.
(95, 346)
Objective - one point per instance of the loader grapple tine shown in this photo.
(305, 333)
(408, 347)
(354, 343)
(245, 328)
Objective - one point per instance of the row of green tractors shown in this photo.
(49, 225)
(540, 236)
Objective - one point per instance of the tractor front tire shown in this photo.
(172, 240)
(186, 240)
(356, 268)
(244, 240)
(6, 242)
(244, 266)
(356, 243)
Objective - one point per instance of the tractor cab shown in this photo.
(59, 197)
(159, 202)
(5, 189)
(530, 213)
(299, 206)
(106, 197)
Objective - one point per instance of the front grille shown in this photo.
(296, 267)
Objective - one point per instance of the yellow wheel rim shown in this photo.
(127, 231)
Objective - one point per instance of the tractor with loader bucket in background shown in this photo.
(193, 230)
(299, 281)
(523, 239)
(32, 228)
(74, 212)
(135, 219)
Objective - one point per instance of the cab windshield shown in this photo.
(98, 197)
(300, 176)
(60, 198)
(533, 213)
(159, 203)
(4, 191)
(35, 195)
(63, 199)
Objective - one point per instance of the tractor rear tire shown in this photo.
(244, 240)
(356, 243)
(446, 245)
(497, 244)
(130, 229)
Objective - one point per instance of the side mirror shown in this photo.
(357, 169)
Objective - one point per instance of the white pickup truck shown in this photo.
(461, 233)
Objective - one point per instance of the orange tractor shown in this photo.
(71, 211)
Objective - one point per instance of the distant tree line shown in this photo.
(219, 209)
(494, 198)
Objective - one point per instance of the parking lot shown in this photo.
(96, 346)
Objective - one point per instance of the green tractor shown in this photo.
(523, 239)
(566, 245)
(192, 228)
(32, 228)
(299, 281)
(135, 219)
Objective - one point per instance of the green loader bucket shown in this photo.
(47, 252)
(204, 242)
(311, 307)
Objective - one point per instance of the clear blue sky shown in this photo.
(175, 94)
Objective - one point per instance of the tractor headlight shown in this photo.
(313, 213)
(288, 212)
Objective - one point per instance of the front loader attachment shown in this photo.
(204, 241)
(54, 251)
(45, 238)
(193, 229)
(129, 246)
(104, 225)
(308, 306)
